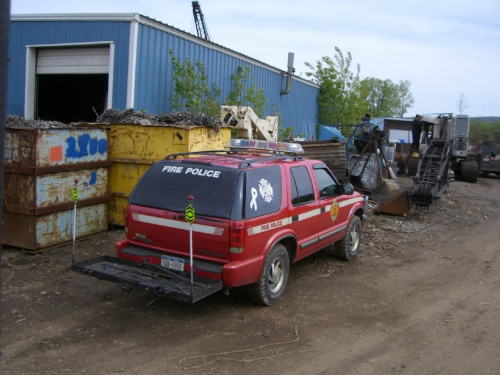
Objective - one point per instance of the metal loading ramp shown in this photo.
(148, 277)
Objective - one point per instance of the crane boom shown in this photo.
(199, 21)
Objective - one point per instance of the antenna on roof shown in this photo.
(199, 21)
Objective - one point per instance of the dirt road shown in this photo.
(423, 297)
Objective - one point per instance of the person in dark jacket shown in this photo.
(416, 130)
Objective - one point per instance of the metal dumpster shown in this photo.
(41, 167)
(134, 148)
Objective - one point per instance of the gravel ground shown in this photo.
(422, 297)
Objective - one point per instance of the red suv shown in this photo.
(240, 217)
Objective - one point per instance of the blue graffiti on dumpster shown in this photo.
(85, 146)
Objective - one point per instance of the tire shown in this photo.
(412, 166)
(348, 247)
(273, 279)
(469, 171)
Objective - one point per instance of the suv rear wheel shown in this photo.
(348, 247)
(273, 279)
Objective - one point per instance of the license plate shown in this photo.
(172, 263)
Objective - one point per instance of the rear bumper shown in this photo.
(232, 274)
(243, 272)
(142, 255)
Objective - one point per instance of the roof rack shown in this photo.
(275, 150)
(229, 153)
(249, 162)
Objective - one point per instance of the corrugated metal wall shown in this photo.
(155, 88)
(29, 33)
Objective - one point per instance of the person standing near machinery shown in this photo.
(416, 131)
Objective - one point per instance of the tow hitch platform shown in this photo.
(148, 277)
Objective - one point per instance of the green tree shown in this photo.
(405, 97)
(252, 96)
(482, 130)
(192, 91)
(379, 96)
(385, 98)
(339, 97)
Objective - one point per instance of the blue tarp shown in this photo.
(329, 132)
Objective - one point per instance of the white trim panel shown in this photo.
(350, 201)
(111, 76)
(303, 216)
(132, 62)
(176, 224)
(30, 84)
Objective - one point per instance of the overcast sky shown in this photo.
(443, 47)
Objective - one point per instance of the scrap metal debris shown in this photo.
(21, 122)
(129, 116)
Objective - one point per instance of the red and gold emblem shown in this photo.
(334, 211)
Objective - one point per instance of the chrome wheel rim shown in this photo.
(276, 275)
(355, 236)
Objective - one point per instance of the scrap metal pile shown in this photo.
(366, 165)
(21, 122)
(129, 116)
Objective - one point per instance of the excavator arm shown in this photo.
(248, 124)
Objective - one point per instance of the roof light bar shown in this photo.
(266, 145)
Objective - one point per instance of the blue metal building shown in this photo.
(122, 61)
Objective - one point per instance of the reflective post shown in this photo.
(190, 220)
(74, 194)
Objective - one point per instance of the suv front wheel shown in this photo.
(273, 279)
(348, 247)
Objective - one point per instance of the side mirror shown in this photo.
(348, 189)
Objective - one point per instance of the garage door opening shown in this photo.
(71, 97)
(70, 83)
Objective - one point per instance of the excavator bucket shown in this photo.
(386, 190)
(399, 205)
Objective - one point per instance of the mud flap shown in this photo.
(148, 277)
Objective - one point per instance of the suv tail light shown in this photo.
(236, 237)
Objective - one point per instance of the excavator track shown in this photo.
(432, 174)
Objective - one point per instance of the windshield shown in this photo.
(167, 185)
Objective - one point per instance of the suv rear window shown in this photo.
(166, 186)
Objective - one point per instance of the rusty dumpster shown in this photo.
(41, 167)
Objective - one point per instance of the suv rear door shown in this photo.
(156, 217)
(303, 210)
